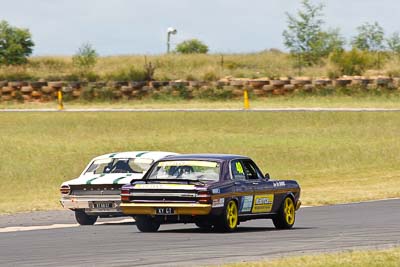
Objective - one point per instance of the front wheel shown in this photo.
(228, 222)
(286, 215)
(83, 219)
(146, 224)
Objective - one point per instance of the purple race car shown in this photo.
(213, 191)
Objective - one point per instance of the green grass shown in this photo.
(367, 101)
(370, 258)
(336, 157)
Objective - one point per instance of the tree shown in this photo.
(15, 44)
(192, 46)
(393, 43)
(85, 59)
(306, 39)
(329, 41)
(369, 38)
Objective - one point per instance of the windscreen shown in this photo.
(188, 169)
(119, 165)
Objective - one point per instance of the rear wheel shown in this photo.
(228, 222)
(83, 219)
(146, 224)
(286, 215)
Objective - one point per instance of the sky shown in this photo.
(121, 27)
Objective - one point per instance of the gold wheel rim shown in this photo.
(232, 214)
(289, 211)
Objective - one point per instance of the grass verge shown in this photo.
(336, 157)
(334, 101)
(372, 258)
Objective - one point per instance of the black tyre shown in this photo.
(228, 221)
(146, 224)
(286, 215)
(83, 219)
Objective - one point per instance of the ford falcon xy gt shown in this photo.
(96, 192)
(214, 191)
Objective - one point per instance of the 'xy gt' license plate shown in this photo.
(165, 211)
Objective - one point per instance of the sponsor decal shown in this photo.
(218, 202)
(164, 186)
(239, 168)
(216, 191)
(246, 204)
(263, 203)
(279, 184)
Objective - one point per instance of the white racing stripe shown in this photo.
(53, 226)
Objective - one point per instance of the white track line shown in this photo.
(301, 109)
(53, 226)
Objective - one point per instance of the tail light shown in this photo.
(65, 190)
(204, 197)
(125, 195)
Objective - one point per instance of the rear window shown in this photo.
(186, 169)
(119, 165)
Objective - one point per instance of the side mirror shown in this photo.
(267, 176)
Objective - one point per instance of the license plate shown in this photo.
(103, 205)
(165, 211)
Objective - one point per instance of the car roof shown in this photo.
(155, 155)
(213, 157)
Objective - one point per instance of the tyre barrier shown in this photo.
(225, 88)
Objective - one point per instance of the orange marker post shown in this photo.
(246, 99)
(60, 100)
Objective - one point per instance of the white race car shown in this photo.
(96, 192)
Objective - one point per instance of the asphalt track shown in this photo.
(317, 229)
(300, 109)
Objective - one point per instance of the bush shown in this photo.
(192, 46)
(85, 59)
(126, 75)
(210, 76)
(353, 62)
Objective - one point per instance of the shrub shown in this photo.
(85, 59)
(210, 76)
(192, 46)
(353, 62)
(190, 77)
(126, 75)
(149, 70)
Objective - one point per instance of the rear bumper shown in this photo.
(86, 202)
(179, 208)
